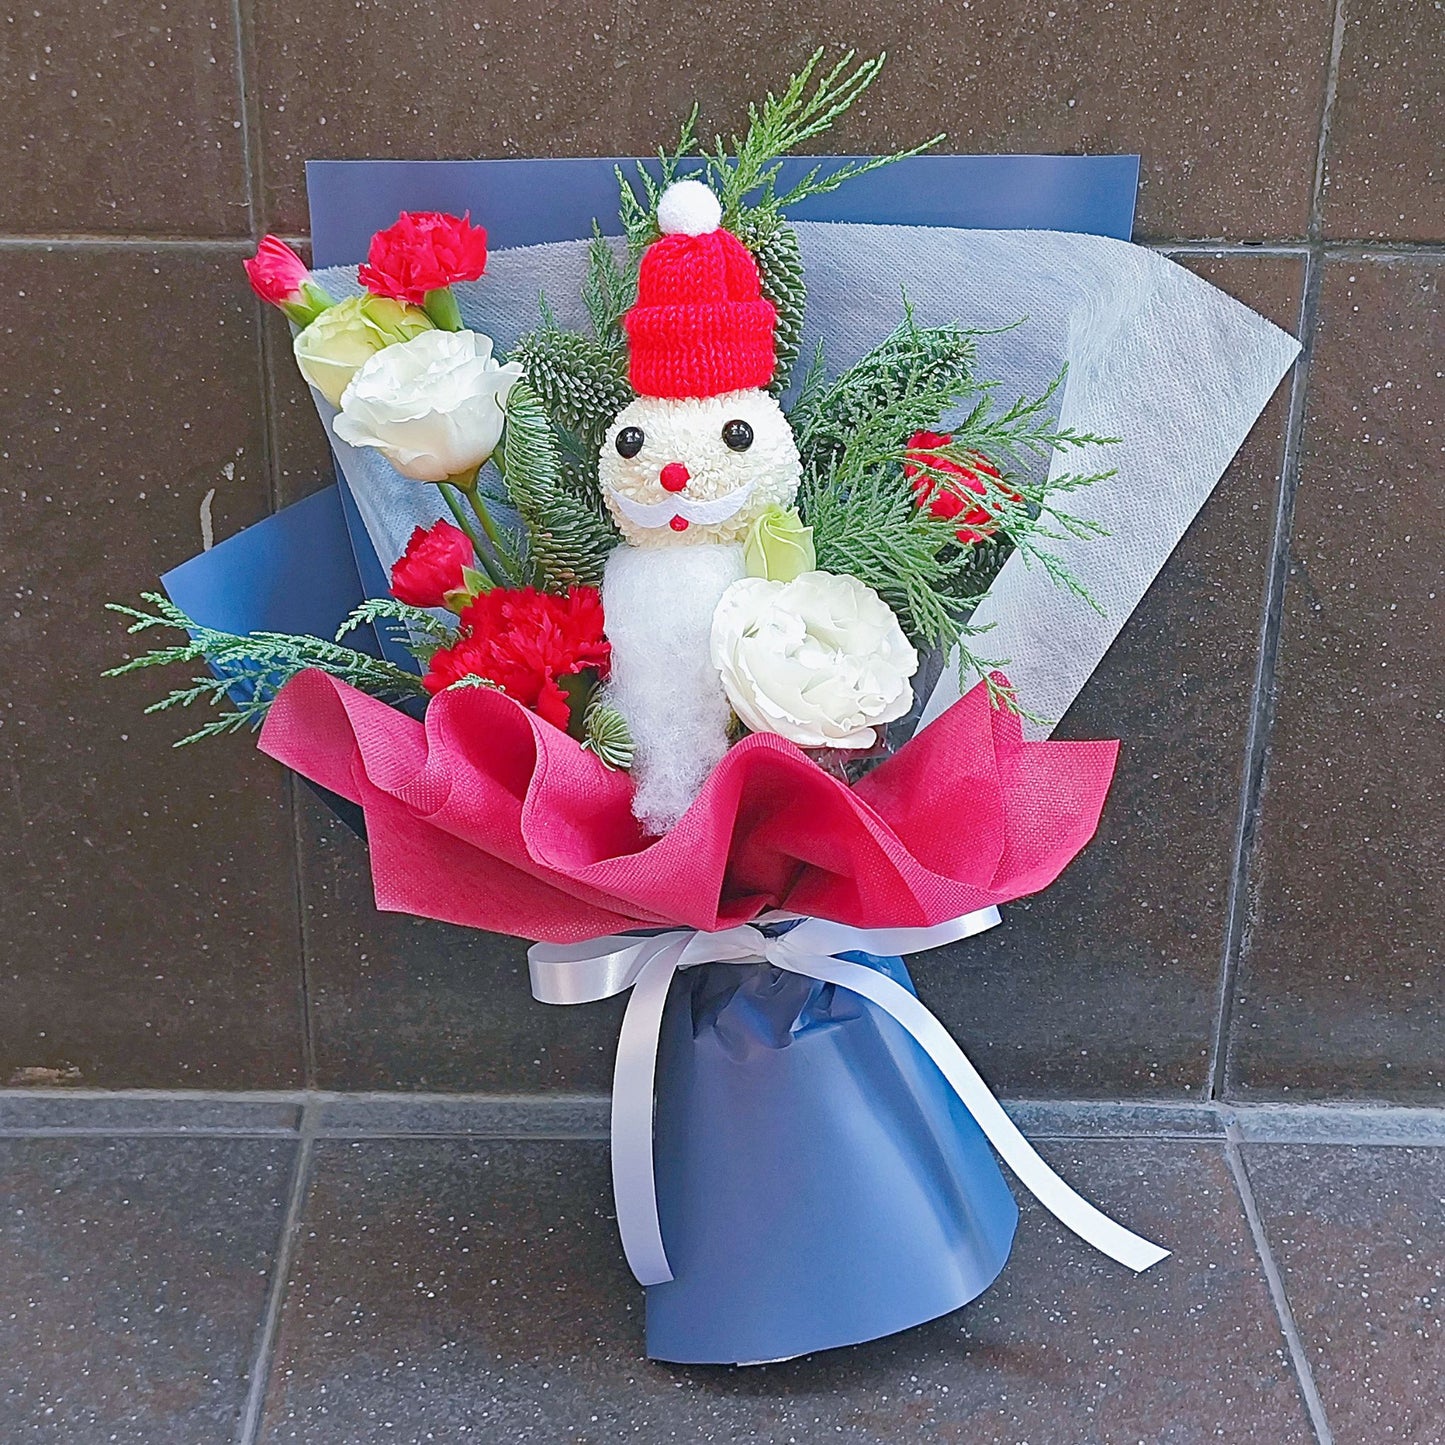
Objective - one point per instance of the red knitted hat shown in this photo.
(701, 325)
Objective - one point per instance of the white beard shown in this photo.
(659, 604)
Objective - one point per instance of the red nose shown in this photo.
(674, 476)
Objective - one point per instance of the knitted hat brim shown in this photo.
(698, 350)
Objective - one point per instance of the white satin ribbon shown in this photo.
(586, 972)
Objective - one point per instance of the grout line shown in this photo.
(1261, 720)
(1262, 709)
(1294, 1342)
(265, 365)
(42, 1113)
(248, 1431)
(303, 933)
(238, 38)
(81, 240)
(1327, 116)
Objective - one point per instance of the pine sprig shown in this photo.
(774, 245)
(570, 537)
(605, 732)
(608, 291)
(864, 508)
(579, 380)
(639, 213)
(259, 662)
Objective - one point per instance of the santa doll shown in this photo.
(686, 469)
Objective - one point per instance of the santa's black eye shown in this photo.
(629, 441)
(737, 435)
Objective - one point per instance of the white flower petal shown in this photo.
(820, 660)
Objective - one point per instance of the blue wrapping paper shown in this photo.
(818, 1182)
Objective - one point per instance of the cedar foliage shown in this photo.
(255, 665)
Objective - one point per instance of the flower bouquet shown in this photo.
(687, 673)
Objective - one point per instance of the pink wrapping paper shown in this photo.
(484, 815)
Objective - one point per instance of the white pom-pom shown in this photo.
(688, 207)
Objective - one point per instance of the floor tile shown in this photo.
(121, 118)
(133, 1275)
(1106, 984)
(1356, 1234)
(419, 81)
(147, 895)
(453, 1290)
(1384, 173)
(1223, 101)
(406, 1003)
(1341, 991)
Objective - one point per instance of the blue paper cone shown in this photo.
(819, 1184)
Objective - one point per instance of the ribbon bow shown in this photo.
(587, 972)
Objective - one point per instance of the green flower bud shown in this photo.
(344, 337)
(778, 546)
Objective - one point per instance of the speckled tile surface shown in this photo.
(463, 1290)
(147, 896)
(1359, 1235)
(1341, 992)
(132, 1279)
(121, 116)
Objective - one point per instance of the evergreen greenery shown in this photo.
(260, 663)
(570, 536)
(605, 732)
(576, 378)
(419, 631)
(853, 433)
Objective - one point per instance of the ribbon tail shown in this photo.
(634, 1185)
(1070, 1208)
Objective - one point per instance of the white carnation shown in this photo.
(820, 660)
(434, 406)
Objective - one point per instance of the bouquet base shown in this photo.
(819, 1184)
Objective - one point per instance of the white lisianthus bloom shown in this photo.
(820, 660)
(434, 406)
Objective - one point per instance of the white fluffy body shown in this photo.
(690, 431)
(659, 603)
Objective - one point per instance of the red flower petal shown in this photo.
(424, 251)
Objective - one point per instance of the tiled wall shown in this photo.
(1261, 916)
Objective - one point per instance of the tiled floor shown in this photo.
(342, 1271)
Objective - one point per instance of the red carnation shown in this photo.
(524, 641)
(945, 497)
(424, 251)
(432, 566)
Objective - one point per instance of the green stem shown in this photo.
(469, 526)
(500, 547)
(442, 307)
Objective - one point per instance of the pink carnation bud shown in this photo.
(276, 272)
